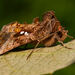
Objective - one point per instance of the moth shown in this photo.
(47, 32)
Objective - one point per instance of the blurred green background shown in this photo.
(26, 10)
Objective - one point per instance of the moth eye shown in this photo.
(26, 33)
(22, 32)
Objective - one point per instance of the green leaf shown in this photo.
(42, 61)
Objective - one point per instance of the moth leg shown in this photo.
(61, 42)
(33, 50)
(70, 36)
(37, 44)
(29, 54)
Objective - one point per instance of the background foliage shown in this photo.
(26, 10)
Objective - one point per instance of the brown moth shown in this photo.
(47, 32)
